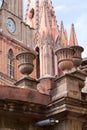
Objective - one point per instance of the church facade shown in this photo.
(43, 78)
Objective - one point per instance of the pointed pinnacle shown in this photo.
(73, 39)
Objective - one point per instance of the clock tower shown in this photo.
(11, 18)
(15, 36)
(11, 21)
(15, 7)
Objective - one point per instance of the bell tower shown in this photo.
(11, 15)
(11, 21)
(15, 7)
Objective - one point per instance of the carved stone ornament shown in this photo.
(77, 59)
(26, 62)
(64, 57)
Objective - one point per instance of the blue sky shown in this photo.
(72, 11)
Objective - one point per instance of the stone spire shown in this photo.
(40, 14)
(44, 22)
(73, 39)
(63, 35)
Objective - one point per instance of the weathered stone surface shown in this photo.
(27, 82)
(21, 94)
(69, 85)
(22, 105)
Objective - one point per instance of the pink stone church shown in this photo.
(43, 77)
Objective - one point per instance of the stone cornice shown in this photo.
(20, 108)
(28, 102)
(23, 102)
(67, 104)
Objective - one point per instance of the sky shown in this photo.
(72, 11)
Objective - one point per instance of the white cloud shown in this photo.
(59, 7)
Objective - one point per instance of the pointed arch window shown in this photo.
(53, 63)
(10, 68)
(38, 63)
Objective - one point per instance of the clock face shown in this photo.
(1, 3)
(10, 25)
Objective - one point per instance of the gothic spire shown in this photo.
(63, 35)
(73, 39)
(40, 15)
(44, 22)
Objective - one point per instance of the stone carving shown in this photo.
(64, 57)
(77, 59)
(25, 62)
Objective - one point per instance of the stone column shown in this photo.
(45, 84)
(47, 60)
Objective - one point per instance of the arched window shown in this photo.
(53, 63)
(10, 68)
(38, 63)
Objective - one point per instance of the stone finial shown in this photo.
(77, 57)
(63, 35)
(73, 39)
(26, 62)
(64, 59)
(26, 67)
(66, 37)
(44, 23)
